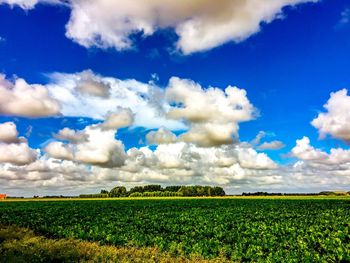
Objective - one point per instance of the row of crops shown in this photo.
(299, 230)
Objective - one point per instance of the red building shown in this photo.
(2, 196)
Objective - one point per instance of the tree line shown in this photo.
(158, 191)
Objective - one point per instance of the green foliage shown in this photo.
(243, 230)
(146, 188)
(152, 188)
(136, 189)
(20, 245)
(93, 196)
(201, 191)
(156, 194)
(136, 194)
(157, 190)
(218, 191)
(119, 191)
(172, 188)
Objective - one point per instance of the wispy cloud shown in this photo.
(345, 16)
(344, 19)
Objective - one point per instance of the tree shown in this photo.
(172, 188)
(152, 188)
(138, 189)
(199, 190)
(104, 191)
(218, 191)
(118, 191)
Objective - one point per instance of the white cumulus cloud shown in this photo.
(99, 147)
(59, 150)
(8, 132)
(13, 149)
(119, 119)
(161, 136)
(199, 24)
(212, 114)
(67, 134)
(146, 101)
(19, 98)
(336, 121)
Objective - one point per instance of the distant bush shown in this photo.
(93, 196)
(156, 194)
(202, 191)
(136, 194)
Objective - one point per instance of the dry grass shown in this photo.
(22, 245)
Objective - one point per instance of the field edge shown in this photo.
(18, 244)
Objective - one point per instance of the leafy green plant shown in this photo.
(251, 229)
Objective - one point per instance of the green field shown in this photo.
(237, 229)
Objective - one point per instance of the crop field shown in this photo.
(244, 229)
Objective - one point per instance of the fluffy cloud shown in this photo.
(305, 152)
(17, 153)
(318, 169)
(99, 147)
(199, 24)
(22, 99)
(58, 150)
(14, 150)
(72, 136)
(315, 167)
(115, 120)
(249, 158)
(46, 175)
(206, 151)
(236, 167)
(202, 154)
(169, 163)
(146, 101)
(89, 84)
(8, 132)
(186, 162)
(161, 136)
(336, 121)
(274, 145)
(213, 115)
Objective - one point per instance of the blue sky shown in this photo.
(289, 68)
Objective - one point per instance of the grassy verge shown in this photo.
(22, 245)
